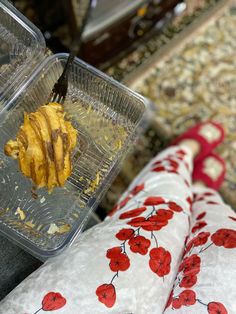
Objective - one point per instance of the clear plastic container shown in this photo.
(22, 46)
(106, 115)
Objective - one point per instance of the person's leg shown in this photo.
(16, 264)
(206, 279)
(126, 264)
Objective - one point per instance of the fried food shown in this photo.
(44, 145)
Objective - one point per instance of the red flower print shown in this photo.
(188, 281)
(106, 294)
(200, 239)
(137, 189)
(139, 245)
(233, 218)
(113, 211)
(153, 223)
(225, 238)
(113, 252)
(173, 163)
(176, 303)
(199, 225)
(189, 200)
(200, 216)
(132, 213)
(53, 301)
(160, 260)
(202, 198)
(164, 214)
(169, 301)
(173, 206)
(173, 171)
(157, 163)
(120, 262)
(180, 152)
(124, 202)
(154, 200)
(124, 234)
(216, 308)
(187, 297)
(159, 269)
(186, 165)
(190, 265)
(212, 203)
(159, 169)
(119, 206)
(208, 194)
(160, 253)
(137, 222)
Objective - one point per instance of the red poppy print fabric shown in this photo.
(53, 301)
(160, 260)
(106, 294)
(139, 244)
(145, 217)
(157, 234)
(124, 263)
(225, 238)
(209, 256)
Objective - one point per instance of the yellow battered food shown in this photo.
(43, 146)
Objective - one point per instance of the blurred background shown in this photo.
(177, 53)
(112, 27)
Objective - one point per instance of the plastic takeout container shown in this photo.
(105, 113)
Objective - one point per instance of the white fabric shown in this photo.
(216, 279)
(78, 272)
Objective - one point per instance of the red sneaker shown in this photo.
(210, 170)
(208, 134)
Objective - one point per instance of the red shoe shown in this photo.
(210, 170)
(208, 134)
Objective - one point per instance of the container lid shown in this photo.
(21, 47)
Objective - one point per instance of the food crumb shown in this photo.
(16, 187)
(42, 200)
(118, 144)
(96, 181)
(89, 109)
(64, 228)
(53, 229)
(93, 184)
(21, 213)
(39, 227)
(30, 224)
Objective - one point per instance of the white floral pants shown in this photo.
(167, 248)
